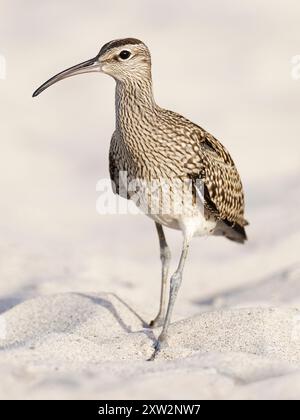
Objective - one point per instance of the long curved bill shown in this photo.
(88, 66)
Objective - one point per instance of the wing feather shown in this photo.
(223, 190)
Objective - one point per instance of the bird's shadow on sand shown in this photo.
(109, 305)
(25, 293)
(10, 302)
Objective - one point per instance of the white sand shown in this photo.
(236, 327)
(93, 346)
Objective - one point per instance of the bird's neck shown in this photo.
(134, 102)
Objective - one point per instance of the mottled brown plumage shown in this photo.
(153, 144)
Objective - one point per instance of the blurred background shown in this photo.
(227, 66)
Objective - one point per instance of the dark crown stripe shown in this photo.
(119, 43)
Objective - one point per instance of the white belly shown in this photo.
(174, 207)
(195, 225)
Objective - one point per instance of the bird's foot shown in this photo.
(157, 322)
(159, 345)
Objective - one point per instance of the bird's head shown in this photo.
(123, 59)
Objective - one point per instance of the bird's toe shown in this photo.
(157, 322)
(159, 345)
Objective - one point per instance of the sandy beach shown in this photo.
(93, 346)
(77, 289)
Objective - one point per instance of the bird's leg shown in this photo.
(165, 257)
(174, 287)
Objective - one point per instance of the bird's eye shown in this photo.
(124, 55)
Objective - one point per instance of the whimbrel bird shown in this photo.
(151, 143)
